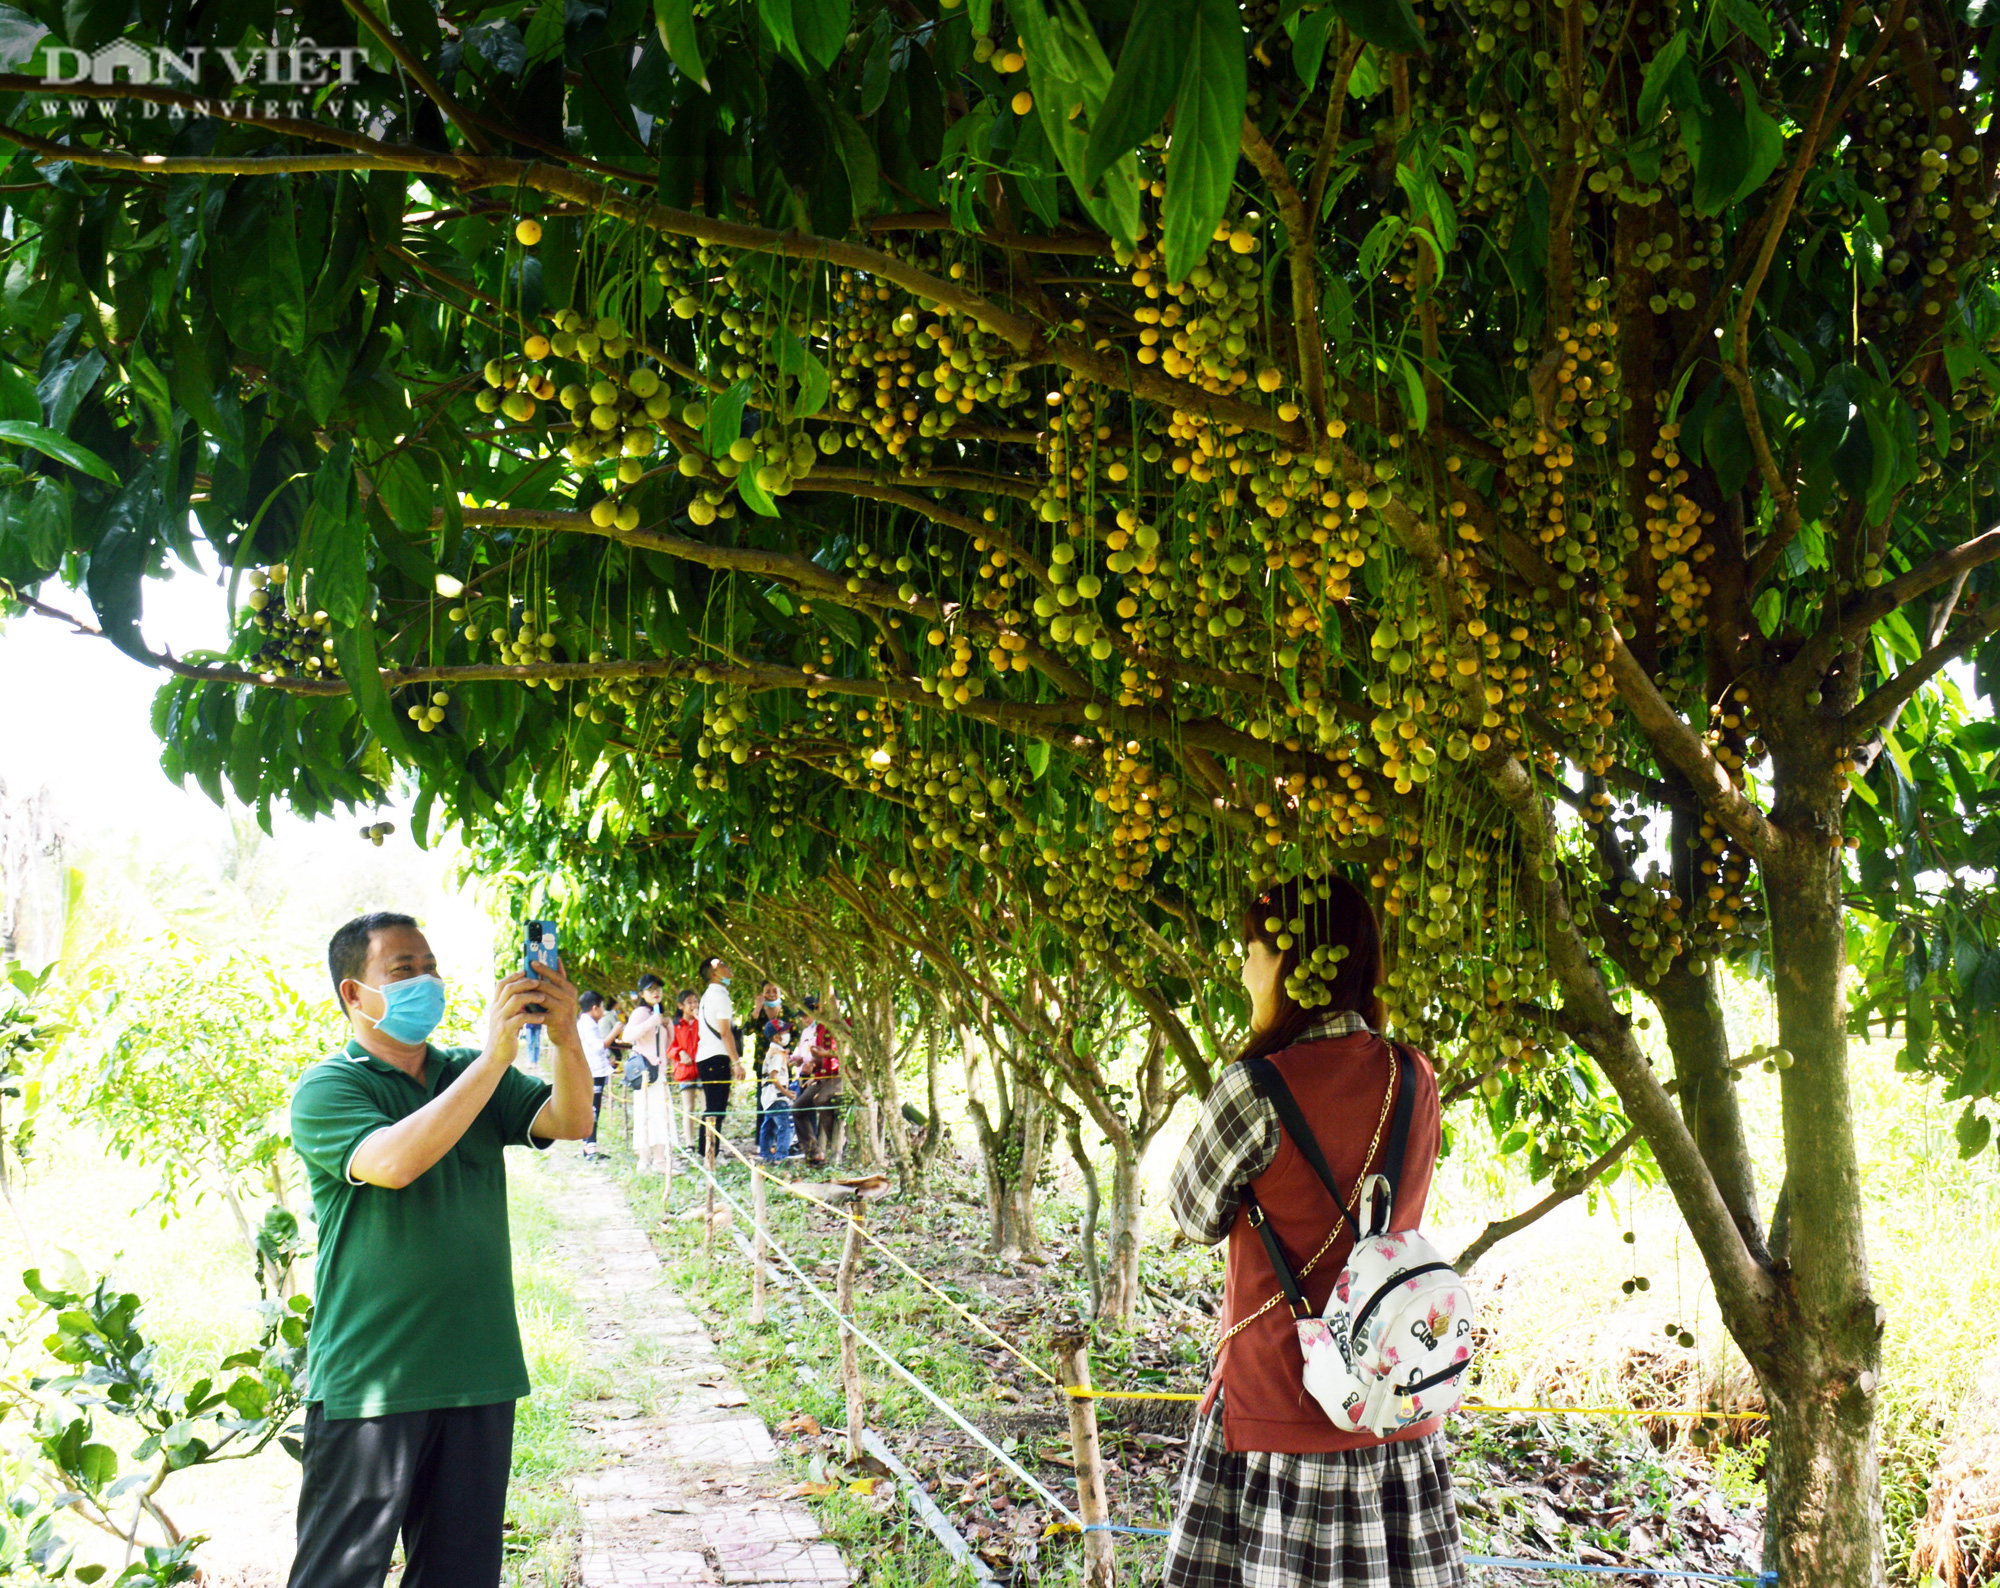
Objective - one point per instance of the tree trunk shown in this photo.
(1093, 1271)
(1121, 1264)
(1699, 1041)
(1824, 1503)
(1012, 1153)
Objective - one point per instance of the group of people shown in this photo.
(682, 1061)
(415, 1356)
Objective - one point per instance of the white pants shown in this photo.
(649, 1121)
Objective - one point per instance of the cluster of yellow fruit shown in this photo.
(429, 713)
(297, 641)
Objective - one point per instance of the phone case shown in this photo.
(541, 950)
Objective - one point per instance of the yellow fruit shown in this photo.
(1023, 102)
(1242, 242)
(603, 514)
(528, 233)
(687, 306)
(536, 347)
(1010, 63)
(742, 449)
(644, 382)
(631, 471)
(1270, 378)
(518, 406)
(628, 517)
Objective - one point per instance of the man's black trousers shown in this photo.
(438, 1477)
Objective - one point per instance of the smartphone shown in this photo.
(541, 951)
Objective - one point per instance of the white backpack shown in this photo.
(1394, 1345)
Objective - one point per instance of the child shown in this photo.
(774, 1130)
(681, 1050)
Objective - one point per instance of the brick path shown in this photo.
(683, 1490)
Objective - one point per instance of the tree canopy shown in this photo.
(1098, 459)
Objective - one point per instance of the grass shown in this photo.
(541, 1513)
(197, 1285)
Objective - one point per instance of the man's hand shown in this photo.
(508, 1013)
(558, 996)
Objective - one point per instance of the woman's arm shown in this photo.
(1232, 1143)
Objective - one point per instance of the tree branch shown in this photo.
(1499, 1229)
(433, 89)
(1307, 336)
(1888, 699)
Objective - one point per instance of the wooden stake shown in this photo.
(850, 1347)
(708, 1161)
(762, 1244)
(1100, 1567)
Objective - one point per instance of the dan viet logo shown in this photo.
(280, 78)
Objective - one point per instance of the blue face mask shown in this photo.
(412, 1008)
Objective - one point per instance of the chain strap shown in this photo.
(1353, 1207)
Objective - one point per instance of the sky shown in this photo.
(75, 720)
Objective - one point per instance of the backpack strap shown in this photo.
(1265, 1076)
(1287, 1281)
(1399, 1139)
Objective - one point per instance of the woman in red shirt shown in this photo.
(1272, 1494)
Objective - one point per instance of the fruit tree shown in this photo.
(1532, 455)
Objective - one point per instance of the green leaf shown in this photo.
(1387, 24)
(19, 433)
(1208, 132)
(1766, 139)
(96, 1465)
(334, 544)
(777, 17)
(821, 26)
(1417, 406)
(1382, 237)
(1659, 71)
(18, 400)
(755, 497)
(1150, 64)
(1068, 67)
(725, 418)
(544, 39)
(1037, 754)
(1719, 145)
(857, 156)
(797, 360)
(1752, 23)
(1973, 1131)
(1310, 33)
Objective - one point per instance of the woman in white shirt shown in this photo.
(646, 1030)
(717, 1060)
(589, 1008)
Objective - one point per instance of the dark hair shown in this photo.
(347, 952)
(684, 995)
(1334, 914)
(706, 967)
(648, 982)
(591, 1000)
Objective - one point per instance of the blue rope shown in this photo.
(1515, 1563)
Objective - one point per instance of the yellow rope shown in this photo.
(1173, 1395)
(1471, 1406)
(972, 1318)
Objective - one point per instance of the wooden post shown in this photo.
(1100, 1567)
(708, 1162)
(761, 1244)
(667, 1179)
(850, 1347)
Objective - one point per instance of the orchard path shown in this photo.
(684, 1488)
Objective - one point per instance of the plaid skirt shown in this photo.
(1381, 1516)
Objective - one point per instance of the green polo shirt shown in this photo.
(414, 1294)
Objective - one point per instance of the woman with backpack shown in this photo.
(1275, 1492)
(645, 1074)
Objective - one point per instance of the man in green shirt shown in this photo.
(414, 1363)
